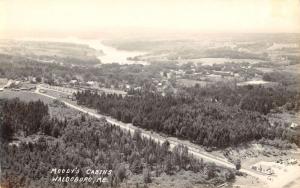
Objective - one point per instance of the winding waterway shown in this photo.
(109, 55)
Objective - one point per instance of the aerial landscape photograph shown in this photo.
(150, 93)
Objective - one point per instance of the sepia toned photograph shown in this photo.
(149, 93)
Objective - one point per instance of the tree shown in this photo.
(136, 166)
(211, 171)
(238, 164)
(56, 131)
(169, 165)
(38, 79)
(6, 130)
(147, 175)
(137, 135)
(46, 127)
(165, 146)
(83, 118)
(121, 172)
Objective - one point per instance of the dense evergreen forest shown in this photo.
(85, 142)
(211, 116)
(24, 119)
(251, 97)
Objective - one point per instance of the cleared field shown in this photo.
(211, 61)
(57, 110)
(24, 95)
(191, 83)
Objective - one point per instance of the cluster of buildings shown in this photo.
(263, 169)
(16, 85)
(239, 72)
(290, 161)
(269, 168)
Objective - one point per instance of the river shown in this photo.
(113, 55)
(110, 54)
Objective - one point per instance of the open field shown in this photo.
(191, 83)
(24, 95)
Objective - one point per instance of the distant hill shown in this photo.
(51, 52)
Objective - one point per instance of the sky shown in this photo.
(25, 17)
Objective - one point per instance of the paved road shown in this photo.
(148, 134)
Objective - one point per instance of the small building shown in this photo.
(223, 73)
(32, 79)
(71, 97)
(24, 89)
(292, 161)
(293, 125)
(128, 86)
(42, 91)
(73, 81)
(90, 83)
